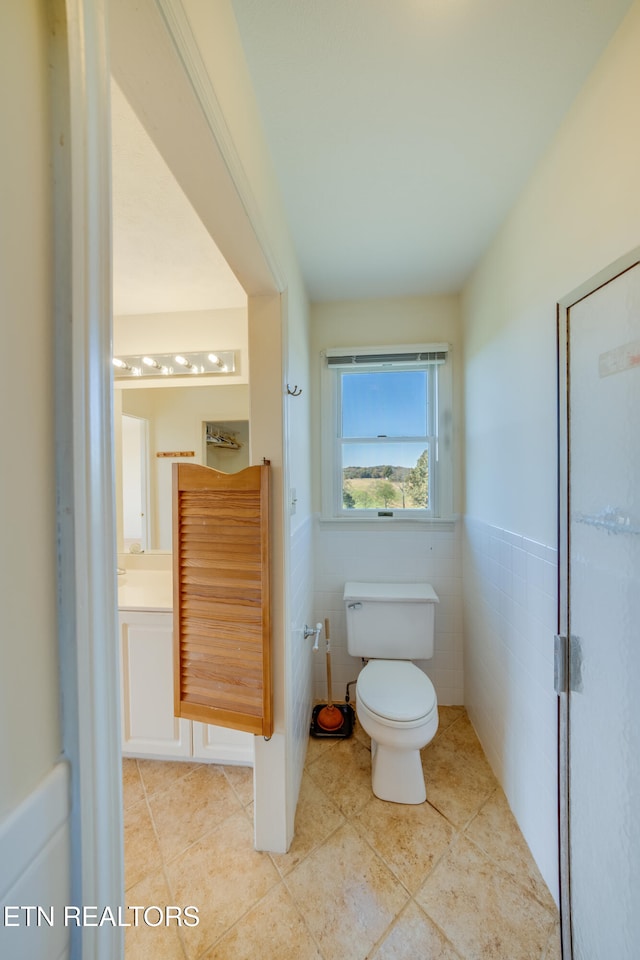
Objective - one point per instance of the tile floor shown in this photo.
(450, 879)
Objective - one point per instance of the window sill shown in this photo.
(404, 523)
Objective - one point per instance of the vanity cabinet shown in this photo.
(221, 744)
(146, 670)
(149, 728)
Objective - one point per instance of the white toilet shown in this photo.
(391, 624)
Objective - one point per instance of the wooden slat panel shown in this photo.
(200, 608)
(222, 671)
(226, 718)
(199, 634)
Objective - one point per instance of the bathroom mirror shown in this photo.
(160, 426)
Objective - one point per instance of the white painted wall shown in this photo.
(34, 786)
(345, 551)
(579, 212)
(183, 332)
(299, 546)
(29, 671)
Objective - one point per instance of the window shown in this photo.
(386, 432)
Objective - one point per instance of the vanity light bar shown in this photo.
(202, 364)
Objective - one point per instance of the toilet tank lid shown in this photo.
(399, 592)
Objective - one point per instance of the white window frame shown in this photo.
(433, 356)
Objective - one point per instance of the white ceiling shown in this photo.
(164, 261)
(402, 132)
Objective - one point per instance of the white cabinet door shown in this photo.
(221, 744)
(149, 727)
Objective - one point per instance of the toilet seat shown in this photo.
(396, 692)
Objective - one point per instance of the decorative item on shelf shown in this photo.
(202, 363)
(222, 439)
(295, 392)
(176, 453)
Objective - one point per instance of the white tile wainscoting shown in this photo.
(510, 616)
(393, 553)
(300, 663)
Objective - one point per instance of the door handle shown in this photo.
(567, 664)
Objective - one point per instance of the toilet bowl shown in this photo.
(390, 625)
(396, 705)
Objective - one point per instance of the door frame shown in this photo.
(87, 625)
(563, 657)
(169, 82)
(89, 672)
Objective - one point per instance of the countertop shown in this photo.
(146, 590)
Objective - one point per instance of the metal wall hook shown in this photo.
(295, 392)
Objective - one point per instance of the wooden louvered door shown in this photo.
(222, 669)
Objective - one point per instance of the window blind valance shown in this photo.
(410, 355)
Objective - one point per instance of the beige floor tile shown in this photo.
(161, 774)
(554, 947)
(316, 818)
(191, 807)
(143, 942)
(317, 747)
(482, 910)
(272, 930)
(142, 853)
(132, 789)
(457, 775)
(482, 898)
(495, 830)
(348, 896)
(461, 733)
(415, 937)
(361, 734)
(241, 779)
(224, 877)
(248, 811)
(448, 715)
(410, 838)
(344, 773)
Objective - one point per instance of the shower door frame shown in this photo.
(563, 665)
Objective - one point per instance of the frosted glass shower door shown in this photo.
(603, 544)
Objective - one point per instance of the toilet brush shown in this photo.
(329, 718)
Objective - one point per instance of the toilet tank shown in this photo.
(392, 621)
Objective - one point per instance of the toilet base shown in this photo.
(396, 775)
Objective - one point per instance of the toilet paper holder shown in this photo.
(313, 632)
